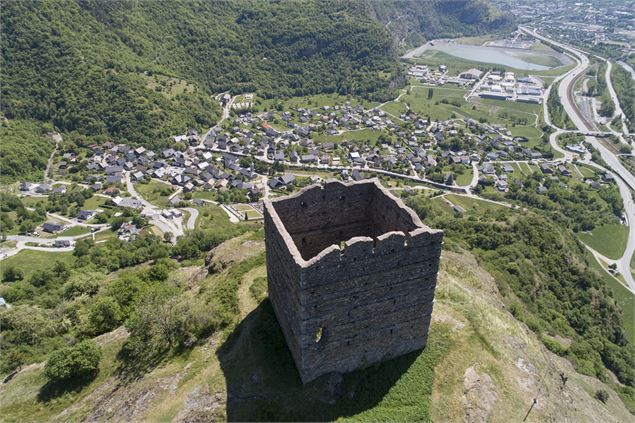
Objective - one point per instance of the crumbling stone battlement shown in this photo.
(352, 273)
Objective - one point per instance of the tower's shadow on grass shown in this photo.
(263, 383)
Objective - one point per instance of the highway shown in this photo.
(618, 109)
(625, 180)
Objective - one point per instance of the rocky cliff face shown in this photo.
(411, 22)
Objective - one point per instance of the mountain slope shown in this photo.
(411, 22)
(91, 66)
(480, 364)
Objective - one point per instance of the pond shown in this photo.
(514, 58)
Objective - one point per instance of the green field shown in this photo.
(608, 240)
(105, 235)
(212, 216)
(440, 106)
(395, 108)
(74, 231)
(33, 201)
(155, 192)
(204, 195)
(169, 87)
(29, 260)
(473, 204)
(587, 172)
(356, 135)
(95, 202)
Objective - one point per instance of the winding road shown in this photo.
(153, 212)
(625, 180)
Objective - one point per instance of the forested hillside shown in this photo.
(412, 22)
(91, 65)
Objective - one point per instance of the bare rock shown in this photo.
(479, 395)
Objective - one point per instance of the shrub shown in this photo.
(73, 363)
(12, 274)
(602, 395)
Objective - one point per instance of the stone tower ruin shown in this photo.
(352, 273)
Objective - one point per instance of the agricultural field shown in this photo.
(168, 86)
(30, 260)
(608, 240)
(355, 135)
(155, 192)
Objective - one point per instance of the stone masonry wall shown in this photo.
(341, 309)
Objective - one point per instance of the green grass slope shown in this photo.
(608, 240)
(246, 372)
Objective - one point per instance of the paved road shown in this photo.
(333, 168)
(22, 240)
(191, 222)
(625, 180)
(174, 226)
(224, 115)
(73, 222)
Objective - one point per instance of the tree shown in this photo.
(82, 247)
(72, 363)
(83, 283)
(104, 315)
(167, 236)
(40, 278)
(12, 274)
(430, 93)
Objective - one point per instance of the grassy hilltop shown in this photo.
(491, 348)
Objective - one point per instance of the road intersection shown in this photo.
(624, 179)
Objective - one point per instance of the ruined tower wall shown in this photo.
(343, 309)
(283, 273)
(322, 217)
(374, 306)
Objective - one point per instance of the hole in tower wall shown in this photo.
(320, 334)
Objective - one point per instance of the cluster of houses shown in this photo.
(194, 168)
(34, 188)
(228, 158)
(242, 154)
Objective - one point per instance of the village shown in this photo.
(256, 155)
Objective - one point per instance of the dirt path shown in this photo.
(58, 138)
(246, 301)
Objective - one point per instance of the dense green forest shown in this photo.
(625, 90)
(24, 150)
